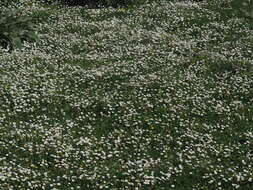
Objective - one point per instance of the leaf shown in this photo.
(17, 42)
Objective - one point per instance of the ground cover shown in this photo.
(159, 96)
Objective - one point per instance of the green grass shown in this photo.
(153, 97)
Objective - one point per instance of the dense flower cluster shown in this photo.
(155, 97)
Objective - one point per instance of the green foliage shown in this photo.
(115, 3)
(15, 28)
(150, 98)
(8, 2)
(244, 7)
(99, 3)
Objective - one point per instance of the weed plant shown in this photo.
(14, 27)
(158, 96)
(98, 3)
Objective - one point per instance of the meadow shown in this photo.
(157, 96)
